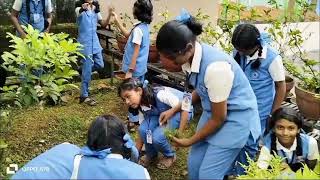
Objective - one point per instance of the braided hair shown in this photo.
(290, 115)
(247, 36)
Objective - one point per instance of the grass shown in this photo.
(33, 130)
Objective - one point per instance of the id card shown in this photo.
(149, 137)
(186, 102)
(36, 18)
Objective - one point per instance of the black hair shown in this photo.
(105, 132)
(143, 10)
(133, 84)
(95, 3)
(246, 36)
(174, 35)
(291, 115)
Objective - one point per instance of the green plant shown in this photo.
(165, 15)
(170, 133)
(277, 170)
(42, 62)
(4, 123)
(288, 40)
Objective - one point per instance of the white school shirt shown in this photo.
(276, 68)
(17, 5)
(265, 154)
(137, 34)
(218, 88)
(165, 96)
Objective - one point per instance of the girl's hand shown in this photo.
(114, 14)
(85, 6)
(128, 75)
(165, 116)
(181, 142)
(111, 8)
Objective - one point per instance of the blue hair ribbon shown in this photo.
(184, 16)
(265, 39)
(145, 83)
(131, 145)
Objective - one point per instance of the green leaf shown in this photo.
(3, 145)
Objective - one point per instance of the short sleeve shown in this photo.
(168, 98)
(17, 5)
(219, 80)
(276, 69)
(49, 7)
(264, 158)
(99, 16)
(137, 35)
(313, 149)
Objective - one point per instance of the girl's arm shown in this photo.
(183, 121)
(219, 90)
(277, 72)
(132, 66)
(123, 30)
(139, 142)
(279, 96)
(104, 23)
(219, 113)
(313, 154)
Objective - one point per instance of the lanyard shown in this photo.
(187, 84)
(35, 6)
(292, 158)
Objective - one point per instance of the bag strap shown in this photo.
(76, 165)
(28, 9)
(44, 8)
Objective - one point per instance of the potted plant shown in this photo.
(297, 63)
(289, 85)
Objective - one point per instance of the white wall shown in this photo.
(210, 7)
(307, 28)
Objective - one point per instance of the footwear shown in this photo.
(166, 162)
(146, 161)
(131, 126)
(88, 101)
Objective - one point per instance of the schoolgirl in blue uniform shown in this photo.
(263, 67)
(230, 114)
(37, 13)
(136, 51)
(286, 140)
(104, 156)
(88, 17)
(150, 102)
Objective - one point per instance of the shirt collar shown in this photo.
(256, 54)
(145, 108)
(195, 66)
(291, 149)
(115, 156)
(136, 23)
